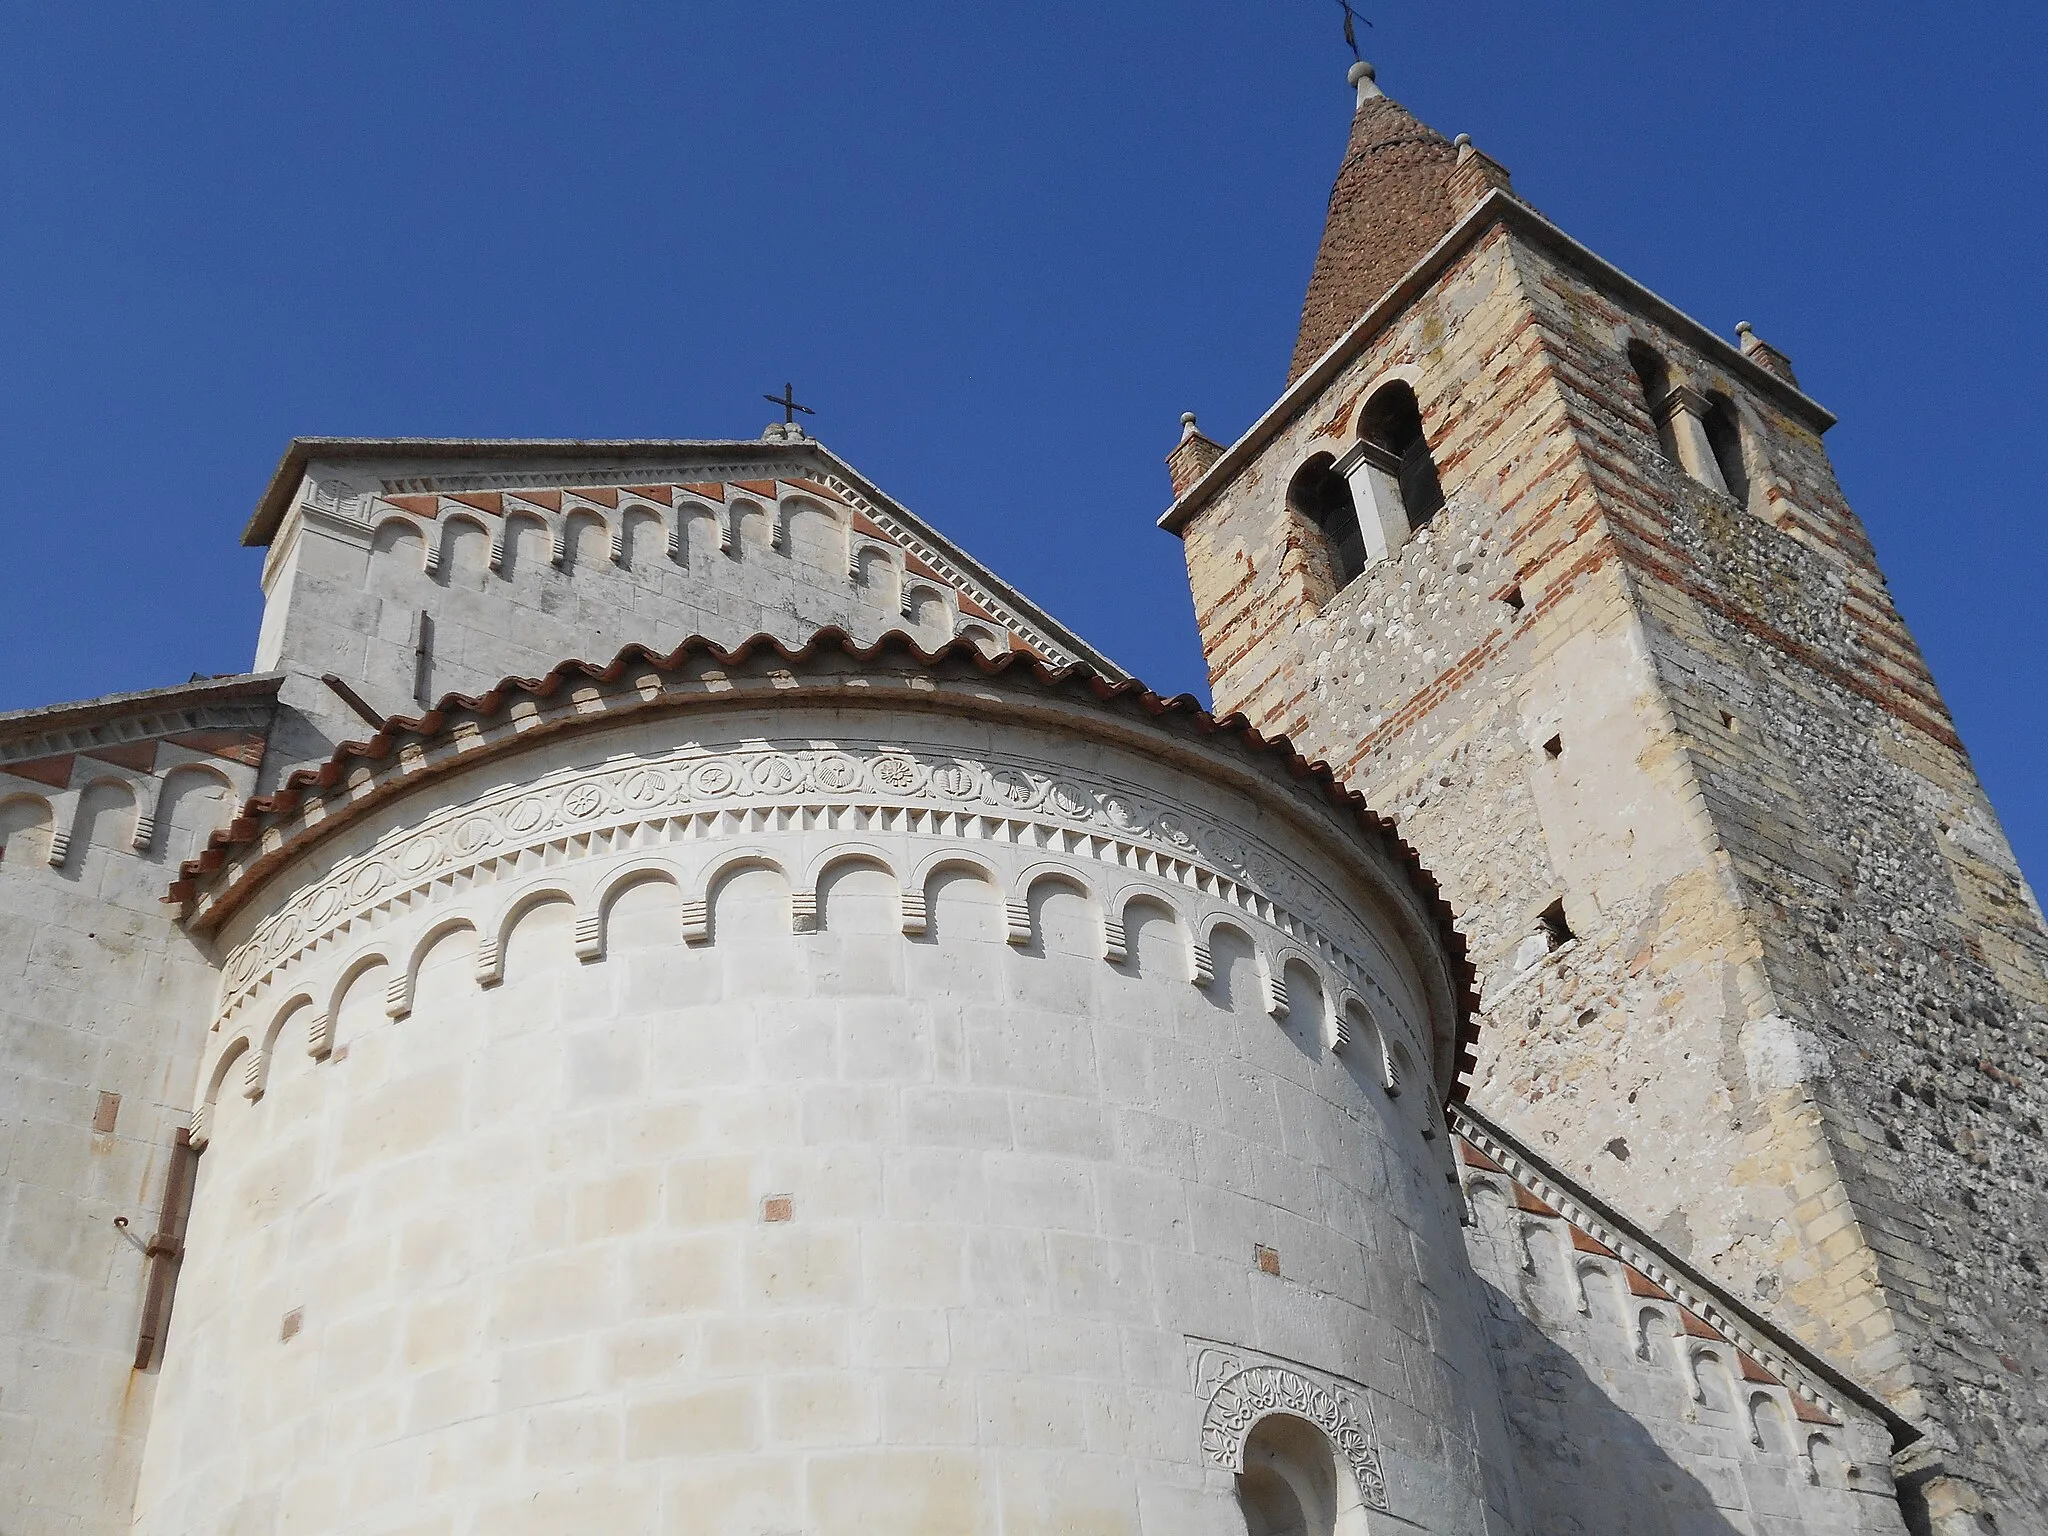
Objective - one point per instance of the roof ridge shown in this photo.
(630, 455)
(77, 715)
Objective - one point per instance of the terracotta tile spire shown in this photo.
(1391, 203)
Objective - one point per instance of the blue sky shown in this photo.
(1000, 249)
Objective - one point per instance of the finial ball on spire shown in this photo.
(1365, 77)
(1187, 418)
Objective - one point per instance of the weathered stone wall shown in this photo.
(1902, 946)
(1439, 679)
(1536, 686)
(851, 1138)
(103, 1008)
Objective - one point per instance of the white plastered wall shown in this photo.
(525, 1236)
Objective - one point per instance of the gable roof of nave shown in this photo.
(425, 476)
(460, 730)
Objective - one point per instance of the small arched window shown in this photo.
(1323, 496)
(1392, 423)
(1293, 1483)
(1653, 378)
(1724, 436)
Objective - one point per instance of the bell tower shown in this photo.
(1564, 580)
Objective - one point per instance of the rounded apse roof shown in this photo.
(894, 673)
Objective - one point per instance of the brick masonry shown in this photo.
(1389, 205)
(1798, 1029)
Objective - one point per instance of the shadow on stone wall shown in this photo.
(1588, 1466)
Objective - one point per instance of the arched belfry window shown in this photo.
(1323, 496)
(1391, 423)
(1293, 1483)
(1653, 378)
(1702, 434)
(1391, 472)
(1724, 436)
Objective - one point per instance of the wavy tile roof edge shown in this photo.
(384, 748)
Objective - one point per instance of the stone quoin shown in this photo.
(672, 998)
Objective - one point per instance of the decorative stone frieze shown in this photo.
(697, 793)
(1240, 1387)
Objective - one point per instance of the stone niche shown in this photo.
(766, 1101)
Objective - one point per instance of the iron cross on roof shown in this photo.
(787, 400)
(1350, 32)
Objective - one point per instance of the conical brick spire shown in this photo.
(1391, 203)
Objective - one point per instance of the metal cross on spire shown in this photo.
(1350, 31)
(787, 400)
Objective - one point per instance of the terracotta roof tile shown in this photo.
(1585, 1242)
(1182, 712)
(1810, 1413)
(236, 746)
(1475, 1158)
(1753, 1371)
(817, 488)
(1640, 1284)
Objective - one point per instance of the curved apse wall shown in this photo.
(884, 1163)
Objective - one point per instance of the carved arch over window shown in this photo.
(1294, 1483)
(1323, 1435)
